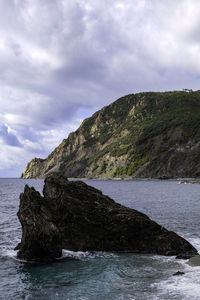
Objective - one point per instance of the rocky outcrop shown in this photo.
(178, 273)
(78, 217)
(154, 135)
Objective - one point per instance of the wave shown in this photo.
(185, 286)
(182, 287)
(81, 255)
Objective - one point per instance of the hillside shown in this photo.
(154, 135)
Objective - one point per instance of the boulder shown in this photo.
(178, 273)
(75, 216)
(194, 261)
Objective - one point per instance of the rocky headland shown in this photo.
(75, 216)
(144, 135)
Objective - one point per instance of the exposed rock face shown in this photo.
(75, 216)
(140, 135)
(41, 238)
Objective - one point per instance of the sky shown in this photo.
(61, 60)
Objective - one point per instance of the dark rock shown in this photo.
(183, 256)
(41, 238)
(78, 217)
(163, 177)
(178, 273)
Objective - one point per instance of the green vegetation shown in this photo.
(130, 169)
(161, 128)
(102, 167)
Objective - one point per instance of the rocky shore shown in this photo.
(190, 181)
(78, 217)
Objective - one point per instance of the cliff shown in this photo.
(140, 135)
(75, 216)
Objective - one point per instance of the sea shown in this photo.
(100, 275)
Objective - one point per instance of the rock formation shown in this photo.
(153, 135)
(78, 217)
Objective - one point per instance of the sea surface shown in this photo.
(98, 276)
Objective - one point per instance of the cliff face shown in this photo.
(139, 135)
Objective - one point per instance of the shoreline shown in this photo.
(182, 180)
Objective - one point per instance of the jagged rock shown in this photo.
(76, 216)
(41, 238)
(178, 273)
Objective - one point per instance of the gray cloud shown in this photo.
(8, 137)
(62, 60)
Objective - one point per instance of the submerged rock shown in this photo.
(178, 273)
(194, 261)
(75, 216)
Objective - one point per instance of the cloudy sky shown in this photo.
(61, 60)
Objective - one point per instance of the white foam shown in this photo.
(10, 253)
(185, 286)
(85, 255)
(163, 259)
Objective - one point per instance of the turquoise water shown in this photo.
(84, 275)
